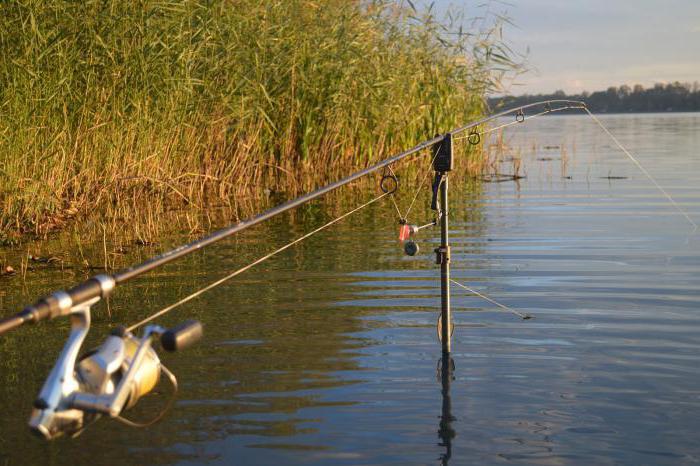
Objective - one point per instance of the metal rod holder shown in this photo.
(444, 254)
(443, 162)
(102, 285)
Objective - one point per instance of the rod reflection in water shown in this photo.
(446, 368)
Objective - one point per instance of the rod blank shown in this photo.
(47, 307)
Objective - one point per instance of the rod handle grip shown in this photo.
(182, 336)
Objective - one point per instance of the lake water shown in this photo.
(328, 353)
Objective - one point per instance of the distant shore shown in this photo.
(661, 98)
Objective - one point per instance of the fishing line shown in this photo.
(639, 165)
(425, 178)
(404, 217)
(493, 301)
(605, 129)
(163, 412)
(251, 265)
(99, 286)
(520, 121)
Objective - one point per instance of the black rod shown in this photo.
(568, 104)
(90, 289)
(12, 322)
(157, 261)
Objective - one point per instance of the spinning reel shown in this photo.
(105, 381)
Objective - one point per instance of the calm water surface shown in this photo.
(328, 354)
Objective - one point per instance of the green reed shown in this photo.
(110, 108)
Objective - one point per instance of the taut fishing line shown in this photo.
(393, 201)
(404, 217)
(218, 282)
(641, 167)
(520, 118)
(422, 183)
(492, 301)
(126, 367)
(518, 121)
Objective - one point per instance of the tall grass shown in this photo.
(110, 107)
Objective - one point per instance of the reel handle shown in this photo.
(181, 336)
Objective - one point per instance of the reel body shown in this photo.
(100, 371)
(105, 381)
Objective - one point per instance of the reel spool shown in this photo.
(105, 381)
(100, 371)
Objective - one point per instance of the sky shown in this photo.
(577, 45)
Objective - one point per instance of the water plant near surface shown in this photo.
(110, 108)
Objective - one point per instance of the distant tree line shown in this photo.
(673, 97)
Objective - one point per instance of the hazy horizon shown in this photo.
(693, 84)
(591, 45)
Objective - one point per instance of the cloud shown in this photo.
(594, 44)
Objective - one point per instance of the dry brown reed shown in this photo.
(121, 111)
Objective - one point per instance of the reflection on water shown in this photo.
(327, 353)
(446, 432)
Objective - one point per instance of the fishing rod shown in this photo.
(111, 379)
(101, 286)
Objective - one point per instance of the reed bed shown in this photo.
(113, 109)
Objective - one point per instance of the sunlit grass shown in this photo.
(111, 108)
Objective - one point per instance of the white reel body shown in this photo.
(108, 380)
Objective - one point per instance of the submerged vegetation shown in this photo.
(112, 108)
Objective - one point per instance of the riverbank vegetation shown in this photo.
(111, 108)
